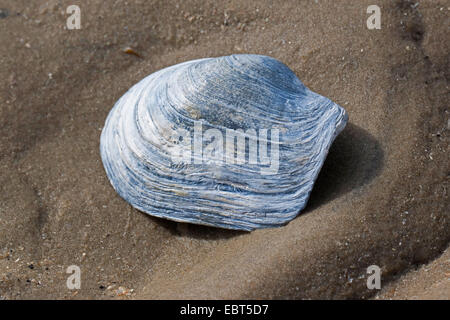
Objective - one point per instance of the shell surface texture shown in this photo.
(235, 142)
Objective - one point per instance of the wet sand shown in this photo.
(381, 198)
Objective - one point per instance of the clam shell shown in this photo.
(172, 145)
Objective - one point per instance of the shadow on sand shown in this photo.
(354, 159)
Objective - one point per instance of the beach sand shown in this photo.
(381, 198)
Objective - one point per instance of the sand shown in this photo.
(381, 198)
(428, 282)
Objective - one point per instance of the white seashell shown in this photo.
(172, 145)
